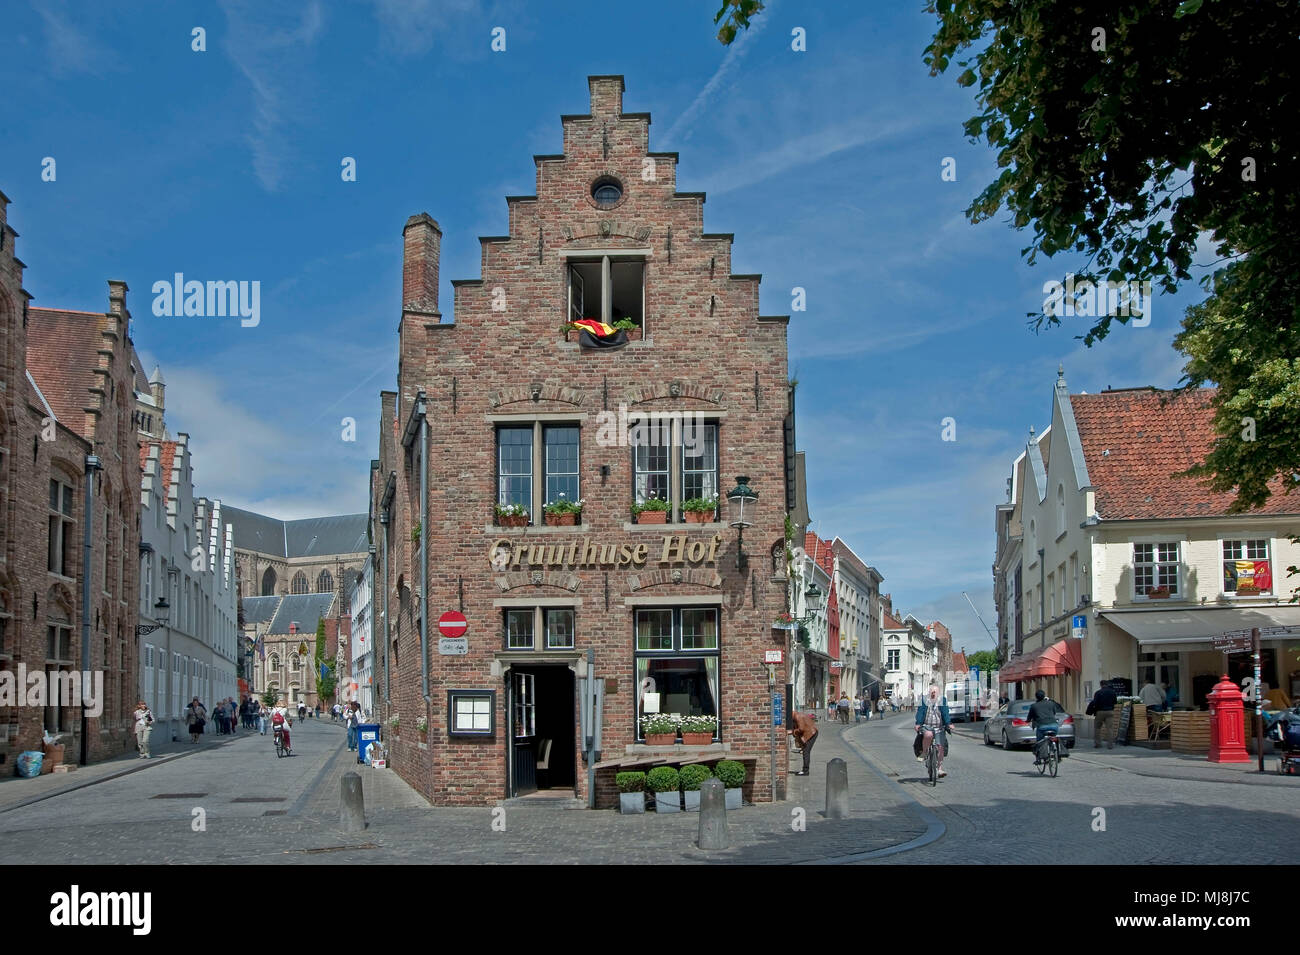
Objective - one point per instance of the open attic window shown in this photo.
(607, 289)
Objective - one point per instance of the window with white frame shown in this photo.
(1155, 570)
(893, 659)
(554, 625)
(607, 289)
(472, 712)
(559, 628)
(1247, 571)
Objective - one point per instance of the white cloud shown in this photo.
(271, 55)
(410, 27)
(71, 50)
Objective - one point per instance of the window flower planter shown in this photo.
(652, 517)
(697, 739)
(513, 520)
(698, 517)
(567, 519)
(661, 739)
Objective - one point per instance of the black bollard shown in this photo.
(352, 814)
(837, 789)
(713, 815)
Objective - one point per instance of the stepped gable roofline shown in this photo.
(1136, 439)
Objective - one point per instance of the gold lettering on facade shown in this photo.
(505, 553)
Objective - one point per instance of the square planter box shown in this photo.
(631, 802)
(733, 799)
(667, 802)
(692, 800)
(652, 517)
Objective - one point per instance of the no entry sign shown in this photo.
(452, 624)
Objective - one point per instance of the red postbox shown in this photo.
(1227, 744)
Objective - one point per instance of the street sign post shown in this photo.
(453, 646)
(773, 656)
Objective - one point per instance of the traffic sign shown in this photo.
(773, 656)
(453, 646)
(452, 624)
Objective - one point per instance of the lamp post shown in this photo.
(741, 501)
(161, 611)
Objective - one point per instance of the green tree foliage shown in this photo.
(734, 17)
(986, 660)
(325, 685)
(1126, 131)
(270, 697)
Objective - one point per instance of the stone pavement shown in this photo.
(16, 791)
(128, 823)
(1166, 764)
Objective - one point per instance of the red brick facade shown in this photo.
(506, 364)
(80, 404)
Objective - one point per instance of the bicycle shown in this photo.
(932, 757)
(1052, 760)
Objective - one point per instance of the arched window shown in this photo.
(1060, 509)
(324, 582)
(296, 663)
(299, 585)
(268, 583)
(275, 662)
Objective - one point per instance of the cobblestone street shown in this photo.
(992, 807)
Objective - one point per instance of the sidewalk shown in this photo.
(16, 792)
(1165, 763)
(402, 828)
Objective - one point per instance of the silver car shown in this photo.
(1010, 727)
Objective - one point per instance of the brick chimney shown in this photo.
(421, 246)
(606, 95)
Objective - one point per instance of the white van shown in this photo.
(957, 695)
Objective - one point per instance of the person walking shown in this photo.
(843, 707)
(881, 706)
(263, 714)
(196, 717)
(805, 734)
(143, 727)
(350, 721)
(1102, 709)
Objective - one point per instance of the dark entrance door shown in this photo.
(542, 724)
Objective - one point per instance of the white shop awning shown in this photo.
(1197, 627)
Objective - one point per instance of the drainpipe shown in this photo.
(424, 549)
(1042, 593)
(92, 465)
(385, 514)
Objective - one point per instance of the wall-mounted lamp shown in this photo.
(741, 502)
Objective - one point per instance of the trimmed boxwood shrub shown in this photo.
(731, 773)
(693, 775)
(662, 779)
(630, 782)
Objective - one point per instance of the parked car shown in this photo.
(1009, 727)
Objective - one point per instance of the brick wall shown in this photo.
(707, 350)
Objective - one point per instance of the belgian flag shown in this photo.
(595, 334)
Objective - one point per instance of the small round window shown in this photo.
(607, 192)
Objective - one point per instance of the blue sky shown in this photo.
(825, 163)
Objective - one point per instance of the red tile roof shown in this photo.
(820, 550)
(1133, 441)
(890, 622)
(62, 351)
(959, 663)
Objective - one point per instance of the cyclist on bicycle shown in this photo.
(281, 720)
(1043, 717)
(932, 721)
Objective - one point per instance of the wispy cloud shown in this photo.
(681, 129)
(71, 50)
(411, 27)
(270, 54)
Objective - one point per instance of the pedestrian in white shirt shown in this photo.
(143, 727)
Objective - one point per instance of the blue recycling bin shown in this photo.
(367, 733)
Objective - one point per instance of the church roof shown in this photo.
(305, 610)
(259, 609)
(308, 537)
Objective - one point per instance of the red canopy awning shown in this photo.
(1063, 656)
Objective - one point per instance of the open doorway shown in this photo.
(542, 729)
